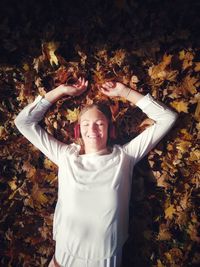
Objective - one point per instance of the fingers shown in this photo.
(81, 83)
(104, 91)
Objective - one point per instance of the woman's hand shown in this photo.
(75, 89)
(119, 89)
(62, 90)
(114, 89)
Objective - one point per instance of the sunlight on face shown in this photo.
(94, 129)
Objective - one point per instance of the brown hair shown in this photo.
(103, 108)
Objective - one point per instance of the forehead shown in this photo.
(93, 113)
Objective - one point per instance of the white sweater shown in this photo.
(91, 216)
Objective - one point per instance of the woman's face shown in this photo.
(94, 129)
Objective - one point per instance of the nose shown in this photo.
(93, 127)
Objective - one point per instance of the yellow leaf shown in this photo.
(194, 155)
(183, 146)
(48, 164)
(181, 54)
(187, 58)
(159, 264)
(13, 184)
(168, 256)
(52, 47)
(26, 67)
(180, 106)
(167, 59)
(185, 134)
(169, 212)
(72, 115)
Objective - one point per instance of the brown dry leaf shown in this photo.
(180, 106)
(114, 109)
(38, 195)
(192, 230)
(164, 233)
(197, 66)
(83, 57)
(118, 57)
(197, 112)
(188, 85)
(182, 218)
(29, 169)
(162, 179)
(174, 255)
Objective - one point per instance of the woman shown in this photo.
(94, 181)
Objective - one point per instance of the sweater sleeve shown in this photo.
(27, 123)
(163, 117)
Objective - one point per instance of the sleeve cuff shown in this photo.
(45, 102)
(146, 100)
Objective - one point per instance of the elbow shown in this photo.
(18, 122)
(174, 116)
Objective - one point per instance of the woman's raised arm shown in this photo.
(28, 119)
(163, 118)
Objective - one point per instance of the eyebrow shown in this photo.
(95, 120)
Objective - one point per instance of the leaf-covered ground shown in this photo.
(153, 47)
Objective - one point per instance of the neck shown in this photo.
(98, 151)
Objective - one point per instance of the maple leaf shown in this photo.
(169, 212)
(188, 84)
(118, 57)
(197, 66)
(38, 195)
(29, 169)
(159, 71)
(197, 112)
(164, 233)
(48, 164)
(183, 146)
(194, 155)
(180, 106)
(159, 263)
(83, 57)
(72, 115)
(49, 50)
(13, 184)
(192, 230)
(187, 58)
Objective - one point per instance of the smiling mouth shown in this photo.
(93, 136)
